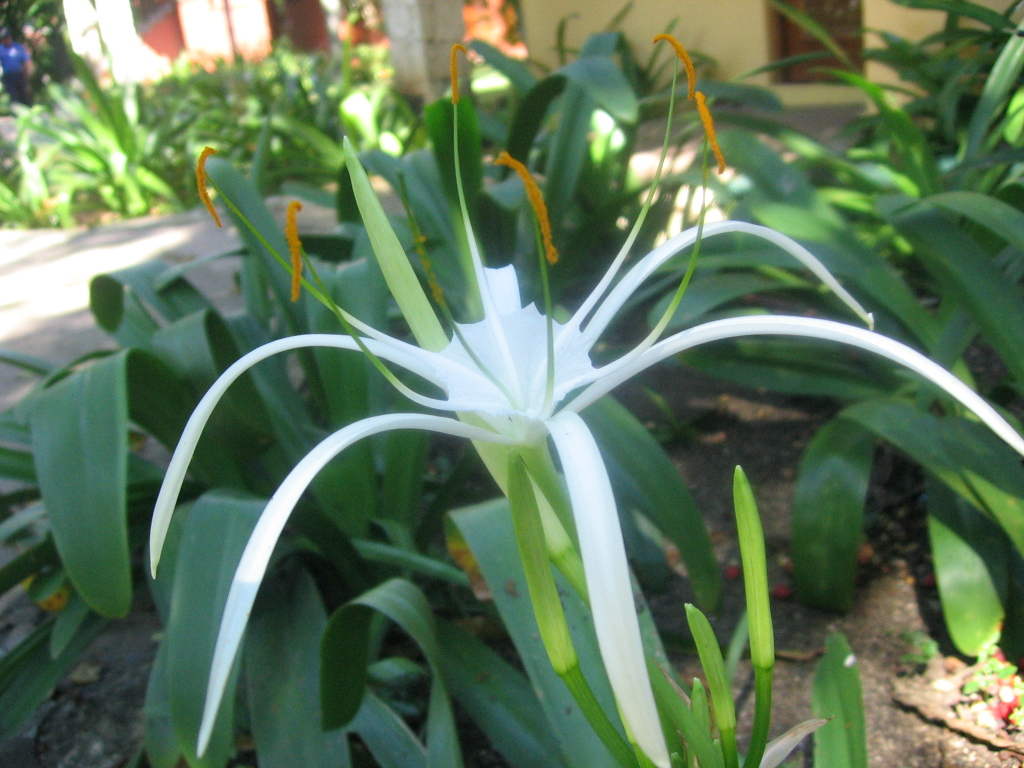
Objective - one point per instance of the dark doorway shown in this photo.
(842, 19)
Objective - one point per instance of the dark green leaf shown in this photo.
(282, 659)
(837, 694)
(482, 538)
(215, 534)
(969, 554)
(80, 444)
(499, 699)
(828, 511)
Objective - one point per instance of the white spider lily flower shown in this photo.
(510, 344)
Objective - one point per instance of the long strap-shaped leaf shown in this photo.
(344, 652)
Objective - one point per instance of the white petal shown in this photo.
(504, 286)
(644, 268)
(253, 564)
(608, 582)
(409, 357)
(780, 748)
(525, 329)
(777, 325)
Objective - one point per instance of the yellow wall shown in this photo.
(734, 32)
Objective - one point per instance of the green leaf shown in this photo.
(753, 96)
(916, 157)
(799, 367)
(994, 303)
(837, 694)
(214, 536)
(969, 554)
(645, 478)
(530, 115)
(394, 263)
(695, 734)
(481, 538)
(387, 736)
(25, 362)
(516, 71)
(1000, 81)
(17, 465)
(161, 744)
(567, 151)
(344, 649)
(80, 444)
(499, 699)
(961, 8)
(965, 455)
(990, 212)
(28, 673)
(67, 624)
(602, 79)
(282, 657)
(828, 511)
(261, 235)
(31, 561)
(713, 664)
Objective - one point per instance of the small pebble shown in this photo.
(85, 673)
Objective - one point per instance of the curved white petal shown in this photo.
(411, 358)
(608, 583)
(253, 564)
(644, 268)
(776, 325)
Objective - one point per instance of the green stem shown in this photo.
(596, 716)
(762, 716)
(548, 611)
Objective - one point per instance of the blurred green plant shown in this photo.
(922, 218)
(97, 152)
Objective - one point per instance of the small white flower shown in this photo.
(503, 387)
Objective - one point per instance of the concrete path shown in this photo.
(45, 275)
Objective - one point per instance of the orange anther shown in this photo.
(455, 71)
(709, 130)
(201, 183)
(536, 200)
(691, 73)
(291, 234)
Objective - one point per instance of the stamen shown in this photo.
(201, 183)
(709, 130)
(691, 73)
(291, 234)
(455, 70)
(540, 210)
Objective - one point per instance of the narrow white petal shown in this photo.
(608, 582)
(504, 287)
(409, 357)
(778, 325)
(644, 268)
(253, 564)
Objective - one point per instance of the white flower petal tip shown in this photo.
(779, 749)
(611, 592)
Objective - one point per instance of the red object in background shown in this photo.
(495, 22)
(1003, 709)
(732, 572)
(782, 591)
